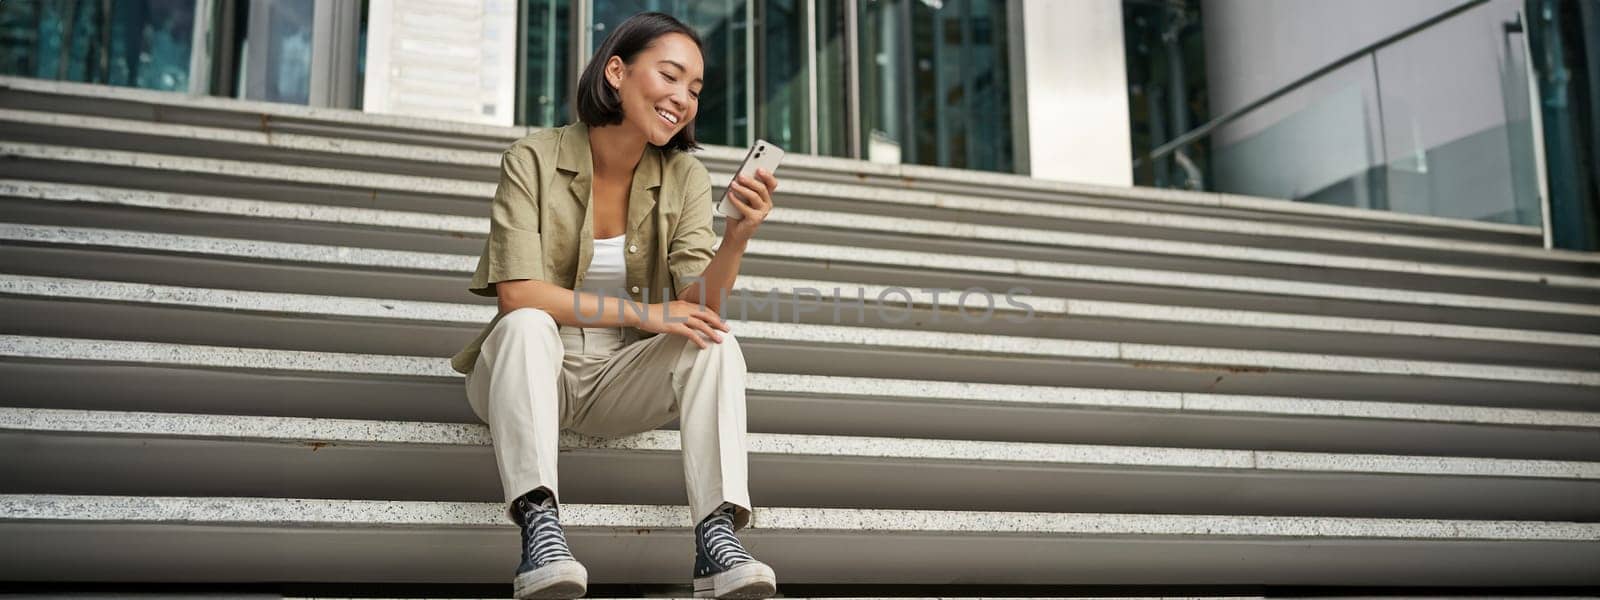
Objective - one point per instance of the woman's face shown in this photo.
(665, 78)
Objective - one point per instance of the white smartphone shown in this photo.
(762, 155)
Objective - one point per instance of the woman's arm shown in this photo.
(753, 198)
(716, 283)
(565, 305)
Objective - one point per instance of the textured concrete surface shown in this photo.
(395, 182)
(378, 513)
(24, 285)
(1142, 354)
(290, 429)
(185, 355)
(280, 141)
(397, 259)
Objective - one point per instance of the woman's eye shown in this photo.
(669, 77)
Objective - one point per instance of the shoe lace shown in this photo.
(720, 545)
(543, 540)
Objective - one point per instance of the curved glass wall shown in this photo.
(1433, 122)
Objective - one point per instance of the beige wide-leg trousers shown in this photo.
(536, 377)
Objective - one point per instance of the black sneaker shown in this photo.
(722, 568)
(548, 570)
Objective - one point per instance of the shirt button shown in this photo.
(635, 289)
(633, 248)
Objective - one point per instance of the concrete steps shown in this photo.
(144, 453)
(228, 380)
(274, 539)
(876, 231)
(223, 331)
(818, 348)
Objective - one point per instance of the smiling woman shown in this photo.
(612, 211)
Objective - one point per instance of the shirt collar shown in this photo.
(575, 157)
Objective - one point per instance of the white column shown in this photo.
(1075, 86)
(448, 59)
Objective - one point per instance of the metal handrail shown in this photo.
(1194, 134)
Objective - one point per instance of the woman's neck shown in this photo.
(615, 150)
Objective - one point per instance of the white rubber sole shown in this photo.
(748, 581)
(560, 580)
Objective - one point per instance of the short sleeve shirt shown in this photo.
(541, 223)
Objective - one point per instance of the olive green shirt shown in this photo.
(542, 222)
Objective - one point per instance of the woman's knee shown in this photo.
(524, 327)
(727, 350)
(528, 322)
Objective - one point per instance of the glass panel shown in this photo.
(285, 31)
(1456, 123)
(783, 92)
(882, 66)
(135, 43)
(1167, 93)
(1268, 152)
(935, 83)
(971, 85)
(1564, 38)
(548, 78)
(1436, 123)
(833, 99)
(722, 25)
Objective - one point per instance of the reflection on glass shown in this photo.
(1456, 126)
(287, 63)
(882, 66)
(1436, 123)
(1164, 48)
(722, 25)
(833, 99)
(935, 85)
(782, 91)
(135, 43)
(1320, 143)
(548, 73)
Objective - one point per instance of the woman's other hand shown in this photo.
(688, 319)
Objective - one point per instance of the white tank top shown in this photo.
(608, 272)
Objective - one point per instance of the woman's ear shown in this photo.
(615, 69)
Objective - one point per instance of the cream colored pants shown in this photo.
(535, 378)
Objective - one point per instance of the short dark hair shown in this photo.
(596, 102)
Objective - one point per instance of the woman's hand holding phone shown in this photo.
(749, 198)
(752, 197)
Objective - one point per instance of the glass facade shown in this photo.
(133, 43)
(917, 81)
(284, 28)
(783, 81)
(1564, 38)
(832, 107)
(1165, 55)
(935, 85)
(547, 77)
